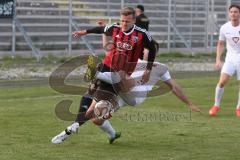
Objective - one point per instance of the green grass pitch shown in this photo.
(28, 122)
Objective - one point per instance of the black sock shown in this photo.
(81, 118)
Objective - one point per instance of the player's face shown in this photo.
(234, 14)
(138, 11)
(127, 22)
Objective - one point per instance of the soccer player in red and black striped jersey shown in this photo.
(129, 42)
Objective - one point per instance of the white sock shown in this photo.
(107, 127)
(238, 105)
(218, 95)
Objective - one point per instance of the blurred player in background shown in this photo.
(229, 32)
(141, 19)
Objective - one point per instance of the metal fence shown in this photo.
(189, 26)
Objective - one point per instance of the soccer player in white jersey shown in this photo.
(229, 33)
(138, 93)
(134, 97)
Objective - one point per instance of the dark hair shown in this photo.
(128, 11)
(234, 6)
(140, 7)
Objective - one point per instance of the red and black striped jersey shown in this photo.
(127, 47)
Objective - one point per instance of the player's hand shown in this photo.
(101, 22)
(194, 108)
(218, 64)
(78, 34)
(146, 76)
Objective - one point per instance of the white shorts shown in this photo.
(138, 93)
(230, 68)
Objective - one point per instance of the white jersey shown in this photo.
(138, 93)
(231, 35)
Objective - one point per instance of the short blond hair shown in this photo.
(126, 11)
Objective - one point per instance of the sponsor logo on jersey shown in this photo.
(235, 39)
(124, 46)
(135, 39)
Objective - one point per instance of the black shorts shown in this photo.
(105, 91)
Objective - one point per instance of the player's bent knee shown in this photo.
(97, 121)
(222, 83)
(223, 80)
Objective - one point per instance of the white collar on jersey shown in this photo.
(128, 33)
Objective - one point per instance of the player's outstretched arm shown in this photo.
(95, 30)
(78, 34)
(181, 95)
